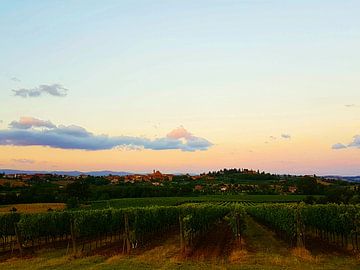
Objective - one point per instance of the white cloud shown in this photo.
(337, 146)
(56, 90)
(354, 144)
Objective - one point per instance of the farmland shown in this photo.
(151, 201)
(32, 207)
(209, 233)
(171, 201)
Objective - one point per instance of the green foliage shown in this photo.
(173, 201)
(7, 223)
(198, 218)
(280, 217)
(79, 189)
(139, 224)
(333, 218)
(144, 222)
(49, 224)
(236, 219)
(72, 203)
(95, 223)
(330, 218)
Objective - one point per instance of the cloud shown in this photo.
(29, 122)
(14, 79)
(338, 146)
(179, 133)
(286, 136)
(272, 139)
(191, 142)
(56, 90)
(24, 161)
(28, 133)
(350, 105)
(354, 144)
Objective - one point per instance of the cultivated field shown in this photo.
(32, 207)
(171, 201)
(261, 249)
(213, 234)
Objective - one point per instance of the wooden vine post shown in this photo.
(73, 236)
(238, 227)
(300, 237)
(18, 239)
(127, 235)
(182, 238)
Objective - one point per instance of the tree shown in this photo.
(79, 189)
(72, 203)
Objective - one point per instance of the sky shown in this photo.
(180, 86)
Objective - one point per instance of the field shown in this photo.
(261, 250)
(152, 201)
(171, 201)
(32, 208)
(212, 233)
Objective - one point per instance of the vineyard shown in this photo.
(131, 226)
(337, 224)
(128, 229)
(173, 201)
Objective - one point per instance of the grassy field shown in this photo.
(32, 207)
(260, 250)
(161, 201)
(169, 201)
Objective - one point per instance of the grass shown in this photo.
(59, 261)
(151, 201)
(161, 201)
(169, 201)
(32, 207)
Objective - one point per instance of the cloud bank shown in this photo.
(30, 131)
(56, 90)
(354, 144)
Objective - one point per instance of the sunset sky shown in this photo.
(180, 86)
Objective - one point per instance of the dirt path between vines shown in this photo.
(215, 245)
(258, 238)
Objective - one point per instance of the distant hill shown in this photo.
(69, 173)
(344, 178)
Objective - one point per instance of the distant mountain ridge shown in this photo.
(69, 173)
(344, 178)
